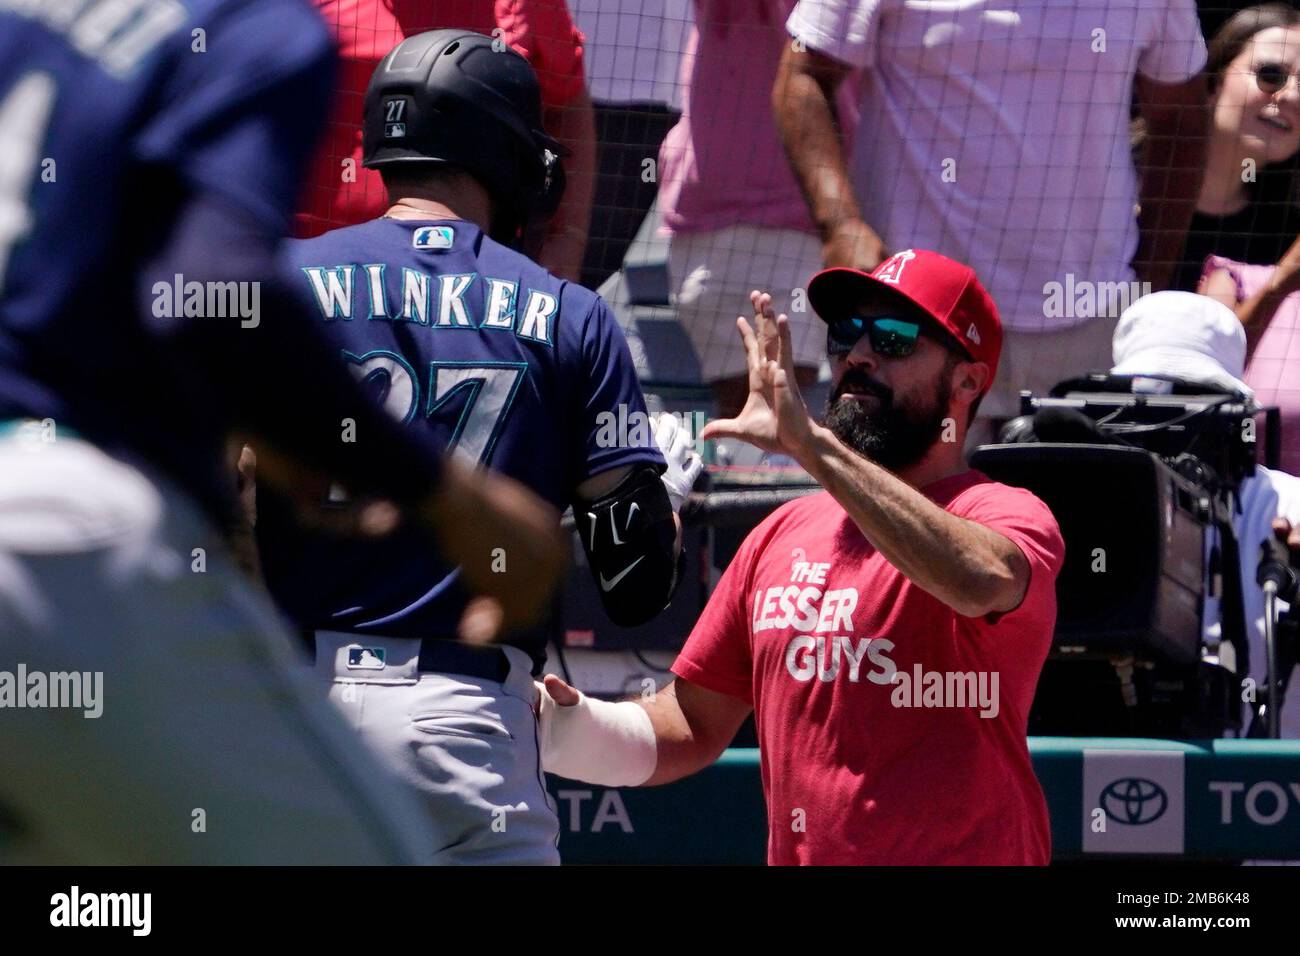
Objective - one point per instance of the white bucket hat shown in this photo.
(1185, 336)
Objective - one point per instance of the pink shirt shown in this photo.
(868, 757)
(723, 164)
(1274, 370)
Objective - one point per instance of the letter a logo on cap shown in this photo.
(973, 334)
(892, 270)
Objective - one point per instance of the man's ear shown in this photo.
(969, 379)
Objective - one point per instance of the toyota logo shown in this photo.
(1134, 800)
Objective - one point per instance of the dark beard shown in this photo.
(893, 436)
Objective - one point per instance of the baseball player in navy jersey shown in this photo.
(476, 349)
(151, 709)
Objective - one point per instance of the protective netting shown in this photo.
(1076, 154)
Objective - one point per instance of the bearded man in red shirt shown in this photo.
(888, 632)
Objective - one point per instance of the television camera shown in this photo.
(1144, 475)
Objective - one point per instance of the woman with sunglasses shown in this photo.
(1245, 210)
(1243, 245)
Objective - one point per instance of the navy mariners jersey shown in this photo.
(479, 350)
(112, 112)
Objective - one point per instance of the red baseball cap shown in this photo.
(947, 291)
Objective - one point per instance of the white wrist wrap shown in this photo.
(597, 741)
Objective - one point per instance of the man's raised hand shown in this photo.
(774, 417)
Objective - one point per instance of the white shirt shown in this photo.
(997, 131)
(633, 48)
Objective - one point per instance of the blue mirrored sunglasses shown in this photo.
(890, 337)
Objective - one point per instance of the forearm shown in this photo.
(678, 751)
(968, 567)
(1256, 313)
(804, 109)
(574, 125)
(258, 372)
(645, 741)
(632, 540)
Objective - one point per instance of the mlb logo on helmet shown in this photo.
(947, 291)
(394, 114)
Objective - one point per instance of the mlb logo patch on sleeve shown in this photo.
(433, 237)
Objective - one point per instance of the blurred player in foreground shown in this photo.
(888, 633)
(150, 709)
(473, 347)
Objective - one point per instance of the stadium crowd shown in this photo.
(834, 133)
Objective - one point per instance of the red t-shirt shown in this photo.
(809, 624)
(540, 30)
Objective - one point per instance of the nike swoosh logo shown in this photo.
(613, 582)
(614, 527)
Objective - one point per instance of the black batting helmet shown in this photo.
(461, 98)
